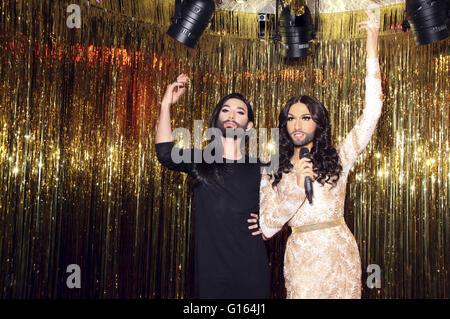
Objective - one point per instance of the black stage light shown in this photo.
(296, 33)
(428, 20)
(262, 25)
(190, 20)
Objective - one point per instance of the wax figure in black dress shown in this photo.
(230, 260)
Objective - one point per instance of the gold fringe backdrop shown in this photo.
(79, 176)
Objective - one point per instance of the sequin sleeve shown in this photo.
(362, 132)
(279, 205)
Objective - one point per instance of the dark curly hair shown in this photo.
(323, 155)
(204, 173)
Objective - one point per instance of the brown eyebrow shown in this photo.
(239, 107)
(300, 115)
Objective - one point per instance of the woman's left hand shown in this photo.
(255, 222)
(372, 26)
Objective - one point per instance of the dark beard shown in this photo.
(306, 140)
(229, 131)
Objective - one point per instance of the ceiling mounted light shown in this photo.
(296, 33)
(190, 20)
(428, 20)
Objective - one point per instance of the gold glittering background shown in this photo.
(80, 183)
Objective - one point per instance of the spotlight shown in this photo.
(262, 24)
(190, 20)
(428, 20)
(296, 33)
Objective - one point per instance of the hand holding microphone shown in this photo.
(305, 175)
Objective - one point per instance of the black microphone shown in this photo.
(308, 182)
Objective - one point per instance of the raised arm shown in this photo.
(164, 146)
(278, 206)
(171, 96)
(358, 138)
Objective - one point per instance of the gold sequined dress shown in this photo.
(323, 263)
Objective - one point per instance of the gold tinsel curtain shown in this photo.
(79, 177)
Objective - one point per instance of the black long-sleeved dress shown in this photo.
(229, 261)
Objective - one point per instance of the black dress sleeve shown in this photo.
(164, 155)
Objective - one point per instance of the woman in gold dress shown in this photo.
(322, 258)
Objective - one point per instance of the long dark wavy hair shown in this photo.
(323, 155)
(204, 173)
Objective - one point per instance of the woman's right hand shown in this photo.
(175, 90)
(303, 167)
